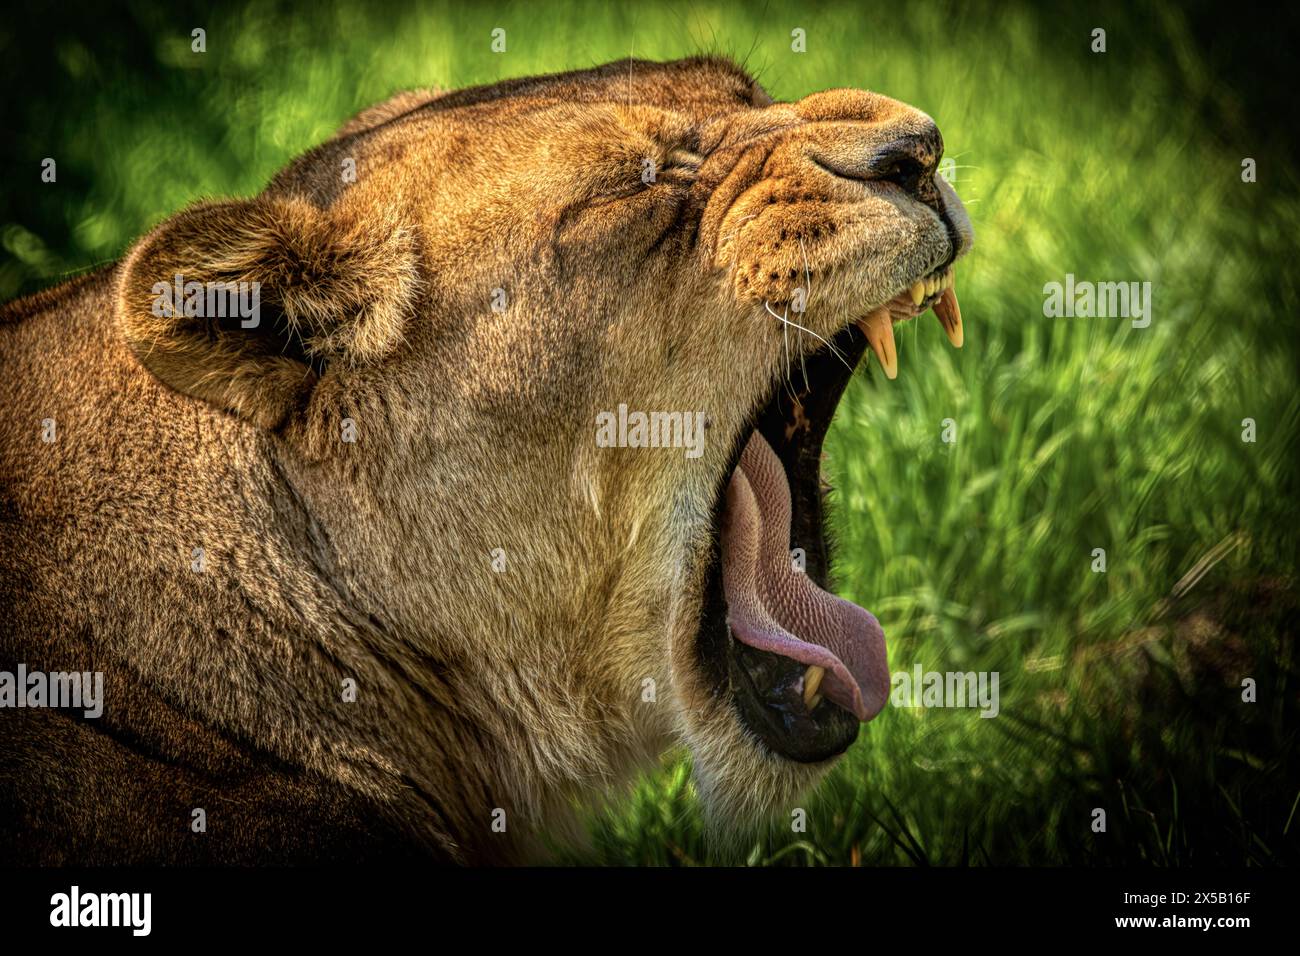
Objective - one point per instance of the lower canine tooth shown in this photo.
(918, 292)
(811, 682)
(949, 313)
(878, 327)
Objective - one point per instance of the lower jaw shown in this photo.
(767, 698)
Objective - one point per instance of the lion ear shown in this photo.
(245, 304)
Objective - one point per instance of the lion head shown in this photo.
(549, 364)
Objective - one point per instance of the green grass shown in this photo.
(1072, 434)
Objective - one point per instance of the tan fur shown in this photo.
(373, 560)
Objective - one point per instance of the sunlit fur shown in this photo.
(478, 689)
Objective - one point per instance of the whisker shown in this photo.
(807, 301)
(803, 367)
(789, 370)
(834, 351)
(785, 338)
(734, 232)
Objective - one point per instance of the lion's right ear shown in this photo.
(244, 304)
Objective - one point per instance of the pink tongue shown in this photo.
(769, 602)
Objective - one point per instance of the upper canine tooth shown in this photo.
(878, 327)
(811, 682)
(949, 313)
(918, 292)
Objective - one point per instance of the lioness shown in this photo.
(509, 481)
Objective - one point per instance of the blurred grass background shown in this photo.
(1119, 690)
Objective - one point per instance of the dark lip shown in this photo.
(765, 688)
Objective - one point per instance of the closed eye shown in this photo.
(676, 170)
(684, 159)
(678, 166)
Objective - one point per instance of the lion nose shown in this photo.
(907, 161)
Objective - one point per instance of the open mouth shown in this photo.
(803, 666)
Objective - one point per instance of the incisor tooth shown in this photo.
(949, 313)
(811, 682)
(878, 327)
(918, 292)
